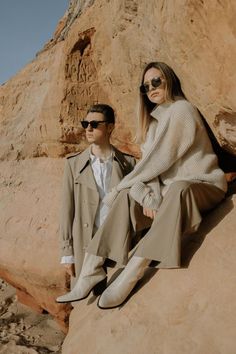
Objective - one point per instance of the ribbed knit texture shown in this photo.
(177, 148)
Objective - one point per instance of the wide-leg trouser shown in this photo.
(120, 231)
(179, 213)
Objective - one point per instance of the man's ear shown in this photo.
(110, 127)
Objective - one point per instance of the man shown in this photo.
(88, 176)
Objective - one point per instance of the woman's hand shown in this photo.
(150, 213)
(70, 269)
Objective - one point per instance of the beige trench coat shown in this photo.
(80, 200)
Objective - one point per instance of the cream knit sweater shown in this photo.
(177, 148)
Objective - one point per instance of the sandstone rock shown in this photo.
(189, 310)
(74, 11)
(12, 347)
(28, 300)
(29, 252)
(23, 330)
(99, 60)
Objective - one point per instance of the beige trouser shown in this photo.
(179, 213)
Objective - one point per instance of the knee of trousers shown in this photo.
(123, 192)
(180, 187)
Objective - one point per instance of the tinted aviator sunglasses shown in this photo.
(155, 82)
(93, 123)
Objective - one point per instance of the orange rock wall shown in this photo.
(101, 59)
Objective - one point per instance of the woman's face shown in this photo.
(155, 95)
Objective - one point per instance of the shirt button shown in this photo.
(86, 225)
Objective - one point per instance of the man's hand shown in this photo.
(70, 269)
(150, 213)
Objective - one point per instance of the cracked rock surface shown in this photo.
(23, 331)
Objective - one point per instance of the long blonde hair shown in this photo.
(172, 90)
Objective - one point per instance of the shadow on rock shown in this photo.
(191, 243)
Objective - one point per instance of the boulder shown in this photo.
(29, 252)
(187, 310)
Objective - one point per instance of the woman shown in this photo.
(176, 180)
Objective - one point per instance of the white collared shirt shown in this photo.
(102, 170)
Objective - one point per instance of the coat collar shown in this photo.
(119, 157)
(84, 172)
(84, 159)
(118, 169)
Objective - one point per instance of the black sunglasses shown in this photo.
(155, 82)
(93, 123)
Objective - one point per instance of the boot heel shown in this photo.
(100, 287)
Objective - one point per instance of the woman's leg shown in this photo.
(122, 286)
(113, 238)
(180, 213)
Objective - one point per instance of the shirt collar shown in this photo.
(85, 158)
(94, 158)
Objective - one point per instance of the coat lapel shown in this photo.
(116, 175)
(118, 169)
(83, 173)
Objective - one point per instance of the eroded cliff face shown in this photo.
(97, 54)
(101, 58)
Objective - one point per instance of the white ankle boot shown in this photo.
(91, 274)
(122, 286)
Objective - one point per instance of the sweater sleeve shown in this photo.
(148, 195)
(67, 212)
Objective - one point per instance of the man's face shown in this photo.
(101, 134)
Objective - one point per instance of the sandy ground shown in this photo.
(23, 331)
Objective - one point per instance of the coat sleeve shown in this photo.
(67, 212)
